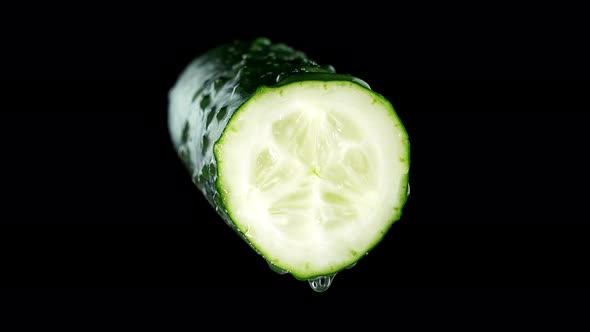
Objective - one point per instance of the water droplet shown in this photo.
(277, 269)
(262, 41)
(408, 193)
(258, 44)
(321, 284)
(351, 266)
(308, 68)
(361, 82)
(328, 68)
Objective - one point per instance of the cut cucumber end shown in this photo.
(313, 173)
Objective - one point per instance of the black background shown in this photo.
(95, 199)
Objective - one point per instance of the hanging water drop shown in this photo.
(277, 269)
(351, 266)
(321, 284)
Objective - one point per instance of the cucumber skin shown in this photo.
(218, 83)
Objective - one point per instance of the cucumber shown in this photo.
(308, 166)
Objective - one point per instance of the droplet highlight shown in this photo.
(277, 269)
(321, 284)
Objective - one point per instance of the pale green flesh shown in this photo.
(313, 173)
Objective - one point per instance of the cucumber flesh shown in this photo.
(313, 173)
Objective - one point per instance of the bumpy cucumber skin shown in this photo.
(228, 76)
(219, 83)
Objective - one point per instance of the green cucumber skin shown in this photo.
(219, 82)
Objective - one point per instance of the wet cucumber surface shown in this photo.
(224, 78)
(215, 86)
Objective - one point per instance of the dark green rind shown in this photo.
(231, 75)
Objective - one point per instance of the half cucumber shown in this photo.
(310, 167)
